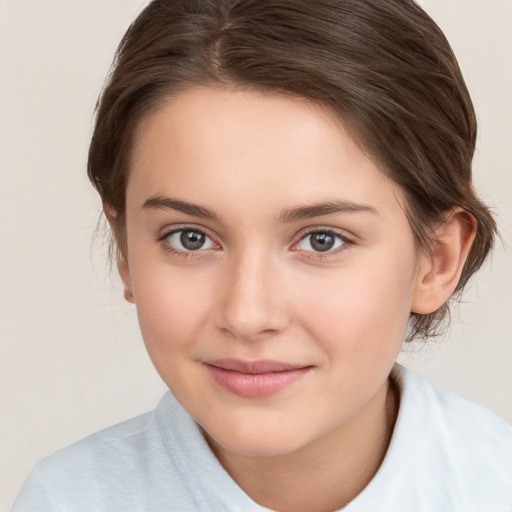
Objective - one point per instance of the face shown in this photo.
(271, 263)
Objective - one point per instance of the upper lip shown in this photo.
(260, 366)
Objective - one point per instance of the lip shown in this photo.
(255, 379)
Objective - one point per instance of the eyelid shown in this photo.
(173, 228)
(342, 233)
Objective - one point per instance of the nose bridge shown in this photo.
(252, 305)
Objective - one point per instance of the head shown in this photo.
(238, 141)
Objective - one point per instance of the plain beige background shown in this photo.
(72, 360)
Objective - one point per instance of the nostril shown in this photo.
(246, 333)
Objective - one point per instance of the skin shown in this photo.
(258, 288)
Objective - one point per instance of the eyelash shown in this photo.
(164, 240)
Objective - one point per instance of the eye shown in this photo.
(321, 241)
(187, 240)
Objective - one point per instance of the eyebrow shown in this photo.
(323, 208)
(169, 203)
(286, 216)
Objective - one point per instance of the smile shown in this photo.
(254, 379)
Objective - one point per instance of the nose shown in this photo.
(254, 302)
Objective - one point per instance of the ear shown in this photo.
(122, 261)
(440, 270)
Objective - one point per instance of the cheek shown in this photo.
(362, 308)
(172, 306)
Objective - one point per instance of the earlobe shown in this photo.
(440, 270)
(124, 273)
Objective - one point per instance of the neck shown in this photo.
(326, 474)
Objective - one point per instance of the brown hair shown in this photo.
(384, 65)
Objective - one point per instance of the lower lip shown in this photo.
(255, 385)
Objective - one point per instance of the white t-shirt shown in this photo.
(446, 455)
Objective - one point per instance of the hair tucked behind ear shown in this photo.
(383, 65)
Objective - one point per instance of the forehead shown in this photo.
(269, 149)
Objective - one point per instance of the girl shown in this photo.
(289, 187)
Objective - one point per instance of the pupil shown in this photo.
(192, 240)
(322, 241)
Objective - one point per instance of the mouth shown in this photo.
(255, 379)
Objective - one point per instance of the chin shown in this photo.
(257, 442)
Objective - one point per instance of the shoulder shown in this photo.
(94, 473)
(461, 449)
(107, 447)
(452, 417)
